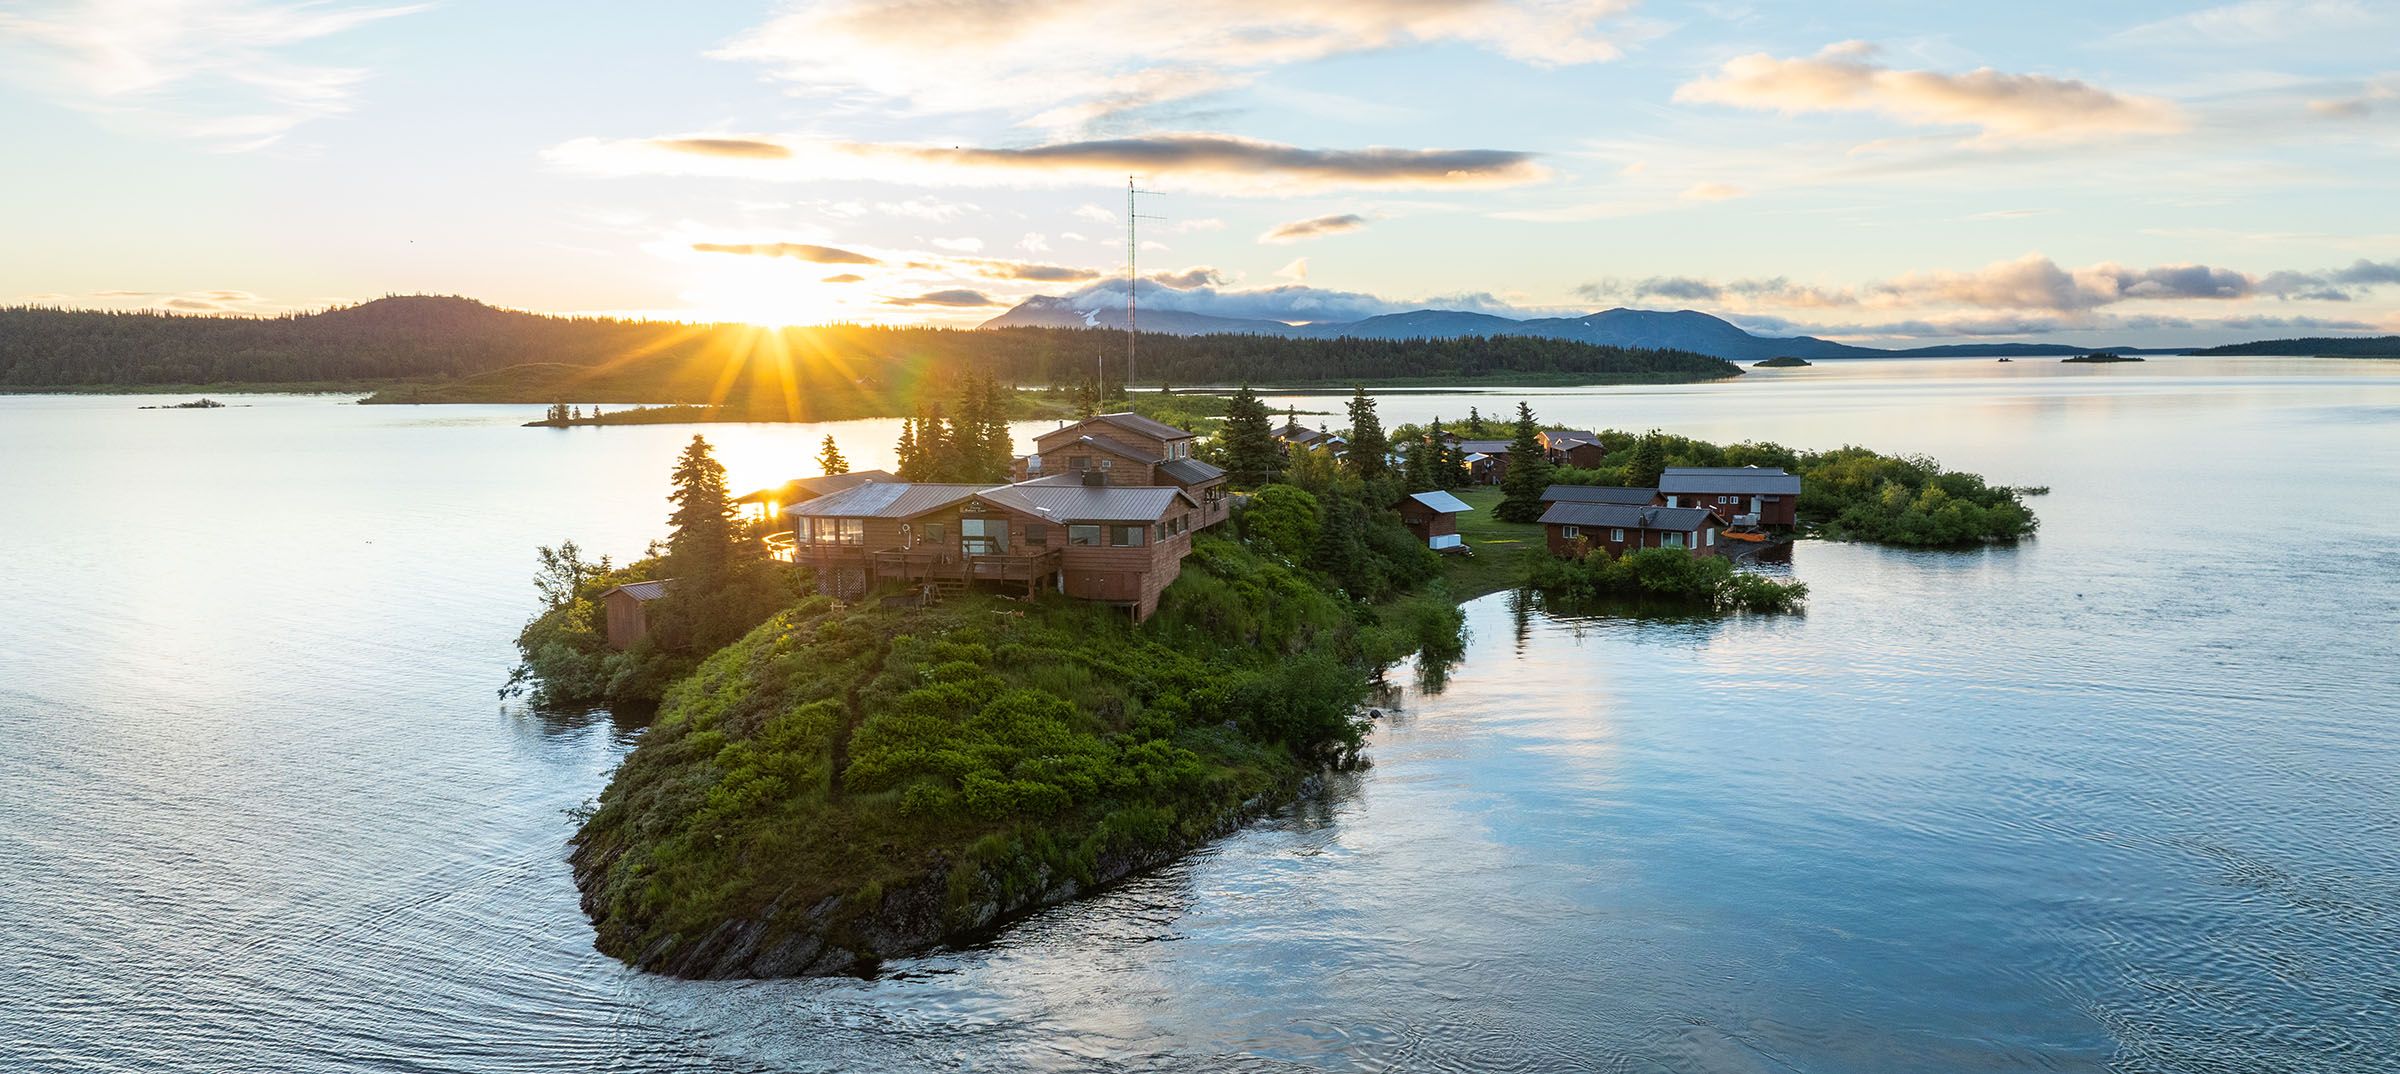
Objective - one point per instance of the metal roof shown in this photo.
(1142, 425)
(814, 486)
(1112, 447)
(1190, 471)
(1768, 480)
(1571, 436)
(1063, 502)
(884, 499)
(650, 590)
(1597, 494)
(1442, 502)
(1629, 516)
(1488, 447)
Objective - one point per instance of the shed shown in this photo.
(627, 606)
(1433, 517)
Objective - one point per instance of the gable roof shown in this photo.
(1064, 501)
(642, 591)
(1628, 516)
(1190, 471)
(1488, 447)
(1597, 494)
(814, 486)
(1770, 480)
(1564, 437)
(1132, 422)
(1110, 446)
(884, 499)
(1442, 502)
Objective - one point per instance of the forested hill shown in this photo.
(470, 351)
(2341, 347)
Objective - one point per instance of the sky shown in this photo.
(2144, 173)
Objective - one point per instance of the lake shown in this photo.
(2125, 797)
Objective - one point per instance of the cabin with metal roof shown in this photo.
(1072, 533)
(1486, 461)
(1433, 517)
(1572, 447)
(1740, 495)
(628, 615)
(1576, 530)
(1129, 450)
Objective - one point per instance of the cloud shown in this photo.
(2004, 107)
(2032, 282)
(847, 277)
(1215, 162)
(1030, 271)
(1291, 302)
(823, 255)
(1297, 271)
(1196, 276)
(955, 298)
(1314, 227)
(2252, 23)
(959, 246)
(216, 70)
(1070, 63)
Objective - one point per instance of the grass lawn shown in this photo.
(1500, 547)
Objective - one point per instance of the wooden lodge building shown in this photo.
(767, 504)
(1103, 510)
(1576, 529)
(1572, 447)
(1740, 495)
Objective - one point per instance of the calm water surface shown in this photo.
(2126, 797)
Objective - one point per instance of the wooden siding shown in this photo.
(1703, 542)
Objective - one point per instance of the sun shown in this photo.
(770, 296)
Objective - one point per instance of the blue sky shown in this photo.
(1877, 172)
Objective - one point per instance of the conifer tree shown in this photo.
(1251, 453)
(909, 457)
(1649, 461)
(1367, 443)
(829, 456)
(1416, 470)
(1528, 473)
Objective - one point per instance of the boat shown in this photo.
(1746, 533)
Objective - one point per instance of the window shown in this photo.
(1183, 522)
(1215, 493)
(1127, 536)
(1617, 535)
(1083, 536)
(838, 530)
(931, 533)
(1570, 532)
(1710, 539)
(1079, 462)
(1037, 534)
(983, 536)
(1673, 540)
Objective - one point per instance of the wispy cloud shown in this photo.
(2247, 24)
(2003, 107)
(221, 71)
(956, 298)
(1070, 63)
(823, 255)
(1313, 227)
(1215, 162)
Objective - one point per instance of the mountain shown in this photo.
(1684, 330)
(2340, 347)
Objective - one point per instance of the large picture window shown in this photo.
(983, 536)
(837, 530)
(1127, 536)
(1083, 536)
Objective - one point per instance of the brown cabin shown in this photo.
(1129, 450)
(1572, 447)
(1433, 517)
(1074, 533)
(1575, 530)
(1486, 461)
(1739, 495)
(628, 611)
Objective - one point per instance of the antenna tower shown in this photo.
(1133, 276)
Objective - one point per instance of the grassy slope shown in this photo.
(846, 784)
(1498, 562)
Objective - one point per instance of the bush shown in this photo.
(1667, 575)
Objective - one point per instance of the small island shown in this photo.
(196, 404)
(895, 711)
(2103, 356)
(1783, 361)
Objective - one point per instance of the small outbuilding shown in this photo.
(1575, 530)
(1433, 517)
(628, 610)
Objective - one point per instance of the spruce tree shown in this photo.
(909, 457)
(1649, 461)
(1416, 472)
(1367, 443)
(1251, 453)
(1528, 473)
(829, 456)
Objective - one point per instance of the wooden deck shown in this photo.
(946, 566)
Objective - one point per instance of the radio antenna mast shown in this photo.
(1133, 276)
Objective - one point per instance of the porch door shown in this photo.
(983, 536)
